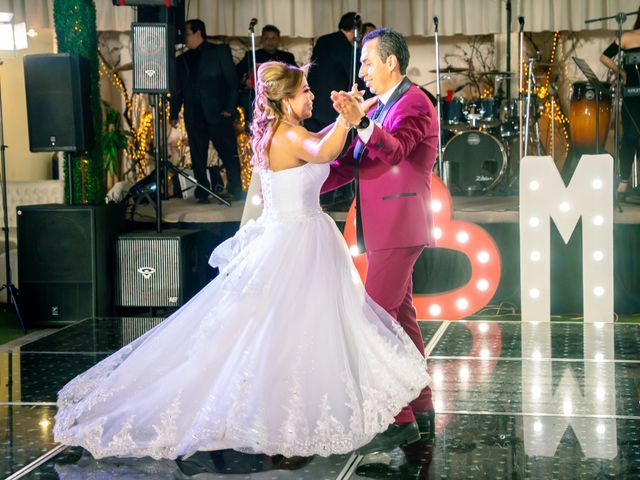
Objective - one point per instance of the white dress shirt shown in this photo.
(365, 133)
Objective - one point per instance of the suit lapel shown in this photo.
(405, 84)
(397, 94)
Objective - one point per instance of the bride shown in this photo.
(283, 352)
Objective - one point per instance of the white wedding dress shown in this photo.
(282, 353)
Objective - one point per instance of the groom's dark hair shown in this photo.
(390, 43)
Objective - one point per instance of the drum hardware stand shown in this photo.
(528, 107)
(444, 176)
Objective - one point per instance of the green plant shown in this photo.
(114, 138)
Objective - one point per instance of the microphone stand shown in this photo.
(508, 81)
(252, 34)
(443, 177)
(354, 63)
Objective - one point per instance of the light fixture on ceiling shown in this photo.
(13, 36)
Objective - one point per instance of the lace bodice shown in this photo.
(293, 191)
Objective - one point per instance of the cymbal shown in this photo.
(450, 69)
(546, 64)
(496, 72)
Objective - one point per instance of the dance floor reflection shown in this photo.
(513, 400)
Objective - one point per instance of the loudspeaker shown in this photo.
(64, 261)
(153, 57)
(58, 104)
(158, 269)
(173, 16)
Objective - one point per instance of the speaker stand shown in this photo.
(12, 291)
(163, 165)
(173, 168)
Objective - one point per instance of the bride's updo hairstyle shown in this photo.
(276, 81)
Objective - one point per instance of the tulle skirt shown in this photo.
(282, 353)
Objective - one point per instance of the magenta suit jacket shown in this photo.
(395, 174)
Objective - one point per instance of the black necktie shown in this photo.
(356, 174)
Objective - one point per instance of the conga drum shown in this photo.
(582, 116)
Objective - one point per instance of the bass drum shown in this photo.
(477, 161)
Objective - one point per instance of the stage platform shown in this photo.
(441, 270)
(480, 209)
(526, 400)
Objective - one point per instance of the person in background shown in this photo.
(367, 27)
(207, 86)
(270, 42)
(332, 60)
(631, 103)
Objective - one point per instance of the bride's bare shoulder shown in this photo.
(281, 152)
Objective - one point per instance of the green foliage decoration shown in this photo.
(76, 32)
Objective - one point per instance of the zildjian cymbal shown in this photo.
(450, 69)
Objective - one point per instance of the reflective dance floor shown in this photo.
(513, 400)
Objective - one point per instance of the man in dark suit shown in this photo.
(332, 69)
(270, 40)
(206, 83)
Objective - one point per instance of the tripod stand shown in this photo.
(12, 291)
(159, 102)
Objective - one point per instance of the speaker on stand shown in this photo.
(154, 73)
(58, 106)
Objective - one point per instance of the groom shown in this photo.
(391, 161)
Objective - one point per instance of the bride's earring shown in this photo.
(289, 109)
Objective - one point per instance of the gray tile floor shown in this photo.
(513, 400)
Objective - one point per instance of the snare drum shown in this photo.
(477, 161)
(582, 116)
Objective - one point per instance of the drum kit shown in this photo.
(479, 138)
(482, 140)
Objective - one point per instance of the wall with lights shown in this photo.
(589, 196)
(22, 165)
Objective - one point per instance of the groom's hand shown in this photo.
(348, 104)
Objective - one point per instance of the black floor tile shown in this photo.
(25, 435)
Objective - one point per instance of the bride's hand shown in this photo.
(368, 103)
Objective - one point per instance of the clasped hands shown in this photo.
(351, 105)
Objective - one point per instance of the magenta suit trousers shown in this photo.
(389, 284)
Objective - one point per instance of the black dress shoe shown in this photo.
(382, 471)
(203, 200)
(393, 436)
(427, 424)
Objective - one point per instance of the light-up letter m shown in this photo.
(543, 196)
